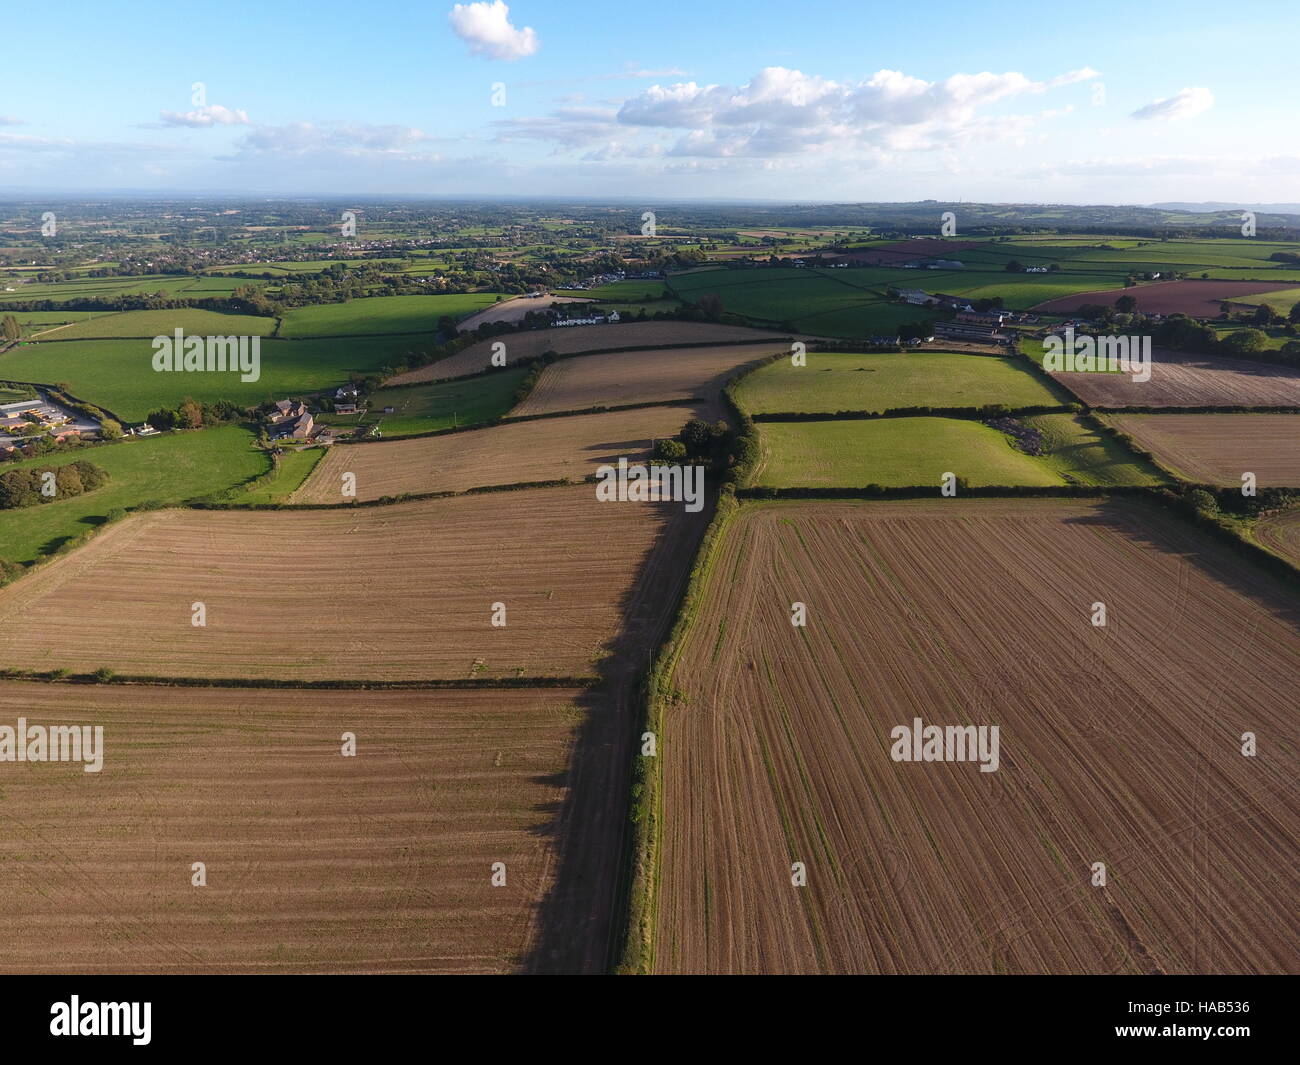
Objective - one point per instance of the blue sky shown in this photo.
(1086, 103)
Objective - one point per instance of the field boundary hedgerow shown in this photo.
(636, 954)
(433, 684)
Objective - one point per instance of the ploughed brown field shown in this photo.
(543, 450)
(315, 862)
(401, 592)
(1281, 533)
(570, 339)
(1198, 299)
(1119, 744)
(1219, 448)
(642, 377)
(1182, 380)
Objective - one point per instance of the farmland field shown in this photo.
(1219, 448)
(378, 596)
(119, 374)
(315, 862)
(1118, 745)
(568, 340)
(164, 323)
(381, 314)
(1281, 533)
(893, 452)
(1182, 380)
(543, 450)
(878, 382)
(159, 469)
(641, 377)
(1197, 298)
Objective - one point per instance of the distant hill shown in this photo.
(1213, 206)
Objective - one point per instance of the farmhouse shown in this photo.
(287, 410)
(298, 429)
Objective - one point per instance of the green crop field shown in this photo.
(1083, 455)
(159, 323)
(169, 468)
(441, 405)
(892, 452)
(886, 381)
(119, 374)
(381, 314)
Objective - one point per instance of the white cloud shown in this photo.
(208, 115)
(299, 139)
(1183, 104)
(486, 29)
(781, 111)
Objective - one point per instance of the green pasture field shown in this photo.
(295, 468)
(39, 321)
(381, 314)
(1083, 455)
(625, 291)
(163, 323)
(170, 468)
(893, 452)
(441, 405)
(1281, 301)
(886, 381)
(119, 374)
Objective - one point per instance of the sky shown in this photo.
(783, 100)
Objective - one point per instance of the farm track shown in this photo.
(1118, 744)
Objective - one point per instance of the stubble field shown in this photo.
(1219, 448)
(543, 450)
(404, 592)
(1119, 744)
(653, 376)
(315, 862)
(1180, 380)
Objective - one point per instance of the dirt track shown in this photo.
(544, 450)
(1119, 745)
(1219, 448)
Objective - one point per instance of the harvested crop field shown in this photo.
(1181, 380)
(1219, 448)
(542, 450)
(572, 339)
(1119, 745)
(402, 592)
(1281, 533)
(1199, 299)
(903, 251)
(315, 862)
(641, 377)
